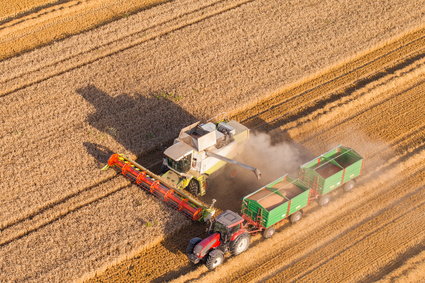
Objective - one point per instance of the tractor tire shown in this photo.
(192, 243)
(194, 187)
(268, 232)
(240, 244)
(215, 259)
(349, 186)
(324, 200)
(294, 218)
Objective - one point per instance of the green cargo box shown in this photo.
(275, 201)
(332, 169)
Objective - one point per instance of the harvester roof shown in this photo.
(178, 150)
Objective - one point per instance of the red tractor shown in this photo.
(227, 233)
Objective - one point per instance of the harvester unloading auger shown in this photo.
(199, 151)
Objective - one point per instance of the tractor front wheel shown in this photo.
(215, 258)
(194, 187)
(240, 244)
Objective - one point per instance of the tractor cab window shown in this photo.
(183, 165)
(220, 228)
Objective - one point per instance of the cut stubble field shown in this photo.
(129, 86)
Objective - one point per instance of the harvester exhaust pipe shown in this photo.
(232, 161)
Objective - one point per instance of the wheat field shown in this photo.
(129, 86)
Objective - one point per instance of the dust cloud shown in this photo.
(273, 158)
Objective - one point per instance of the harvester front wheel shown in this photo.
(215, 258)
(240, 244)
(268, 232)
(194, 187)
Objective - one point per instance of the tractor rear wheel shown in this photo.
(268, 232)
(194, 187)
(192, 243)
(240, 244)
(349, 186)
(215, 258)
(324, 200)
(294, 218)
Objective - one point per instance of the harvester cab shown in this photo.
(227, 233)
(200, 150)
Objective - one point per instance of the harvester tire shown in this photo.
(324, 200)
(215, 258)
(268, 232)
(294, 218)
(192, 243)
(194, 187)
(349, 186)
(240, 244)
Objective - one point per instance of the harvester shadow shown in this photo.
(136, 121)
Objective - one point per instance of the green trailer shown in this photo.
(282, 198)
(337, 167)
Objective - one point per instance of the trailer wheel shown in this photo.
(240, 244)
(268, 232)
(215, 258)
(194, 187)
(294, 218)
(349, 186)
(192, 243)
(324, 200)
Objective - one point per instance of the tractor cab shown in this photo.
(226, 224)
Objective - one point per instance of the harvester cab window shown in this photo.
(183, 165)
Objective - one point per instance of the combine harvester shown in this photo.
(282, 199)
(199, 151)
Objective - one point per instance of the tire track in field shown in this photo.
(312, 108)
(10, 25)
(119, 45)
(399, 213)
(355, 71)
